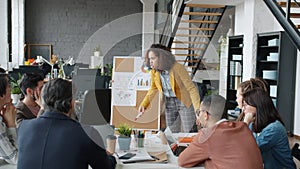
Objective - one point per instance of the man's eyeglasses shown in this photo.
(199, 111)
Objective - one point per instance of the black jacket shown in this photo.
(55, 141)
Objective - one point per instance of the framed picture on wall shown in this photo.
(34, 50)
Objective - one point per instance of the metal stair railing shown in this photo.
(172, 22)
(204, 32)
(195, 39)
(284, 20)
(297, 3)
(206, 45)
(203, 39)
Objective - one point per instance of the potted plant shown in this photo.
(108, 69)
(15, 89)
(124, 138)
(97, 51)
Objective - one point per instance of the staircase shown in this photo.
(295, 14)
(288, 15)
(195, 30)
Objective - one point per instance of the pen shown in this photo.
(154, 157)
(138, 116)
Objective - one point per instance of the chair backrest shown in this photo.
(68, 70)
(26, 69)
(90, 82)
(96, 107)
(296, 151)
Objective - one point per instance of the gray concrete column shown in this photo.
(18, 27)
(4, 32)
(148, 24)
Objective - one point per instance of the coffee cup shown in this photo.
(111, 143)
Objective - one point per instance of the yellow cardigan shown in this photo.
(181, 84)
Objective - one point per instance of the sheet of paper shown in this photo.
(124, 97)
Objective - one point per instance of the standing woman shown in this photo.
(173, 81)
(268, 129)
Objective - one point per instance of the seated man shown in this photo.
(31, 86)
(220, 143)
(54, 140)
(8, 139)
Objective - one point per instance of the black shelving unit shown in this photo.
(276, 63)
(235, 68)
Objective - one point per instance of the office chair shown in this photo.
(95, 112)
(96, 107)
(68, 70)
(296, 151)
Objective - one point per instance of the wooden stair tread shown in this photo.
(294, 15)
(203, 13)
(187, 49)
(186, 54)
(283, 4)
(190, 61)
(199, 21)
(193, 35)
(191, 66)
(201, 29)
(190, 42)
(205, 6)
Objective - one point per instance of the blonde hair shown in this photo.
(253, 83)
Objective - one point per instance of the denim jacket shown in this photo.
(274, 146)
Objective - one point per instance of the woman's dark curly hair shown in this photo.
(165, 58)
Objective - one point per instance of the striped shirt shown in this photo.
(8, 143)
(165, 83)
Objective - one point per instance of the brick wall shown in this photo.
(70, 26)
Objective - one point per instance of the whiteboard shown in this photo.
(130, 84)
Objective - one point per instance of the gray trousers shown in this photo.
(178, 117)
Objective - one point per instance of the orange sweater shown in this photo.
(226, 145)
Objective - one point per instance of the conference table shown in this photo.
(4, 165)
(172, 164)
(152, 144)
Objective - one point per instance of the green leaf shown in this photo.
(15, 86)
(125, 130)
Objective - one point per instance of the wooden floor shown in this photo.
(293, 140)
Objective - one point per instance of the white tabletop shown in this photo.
(154, 145)
(172, 164)
(5, 165)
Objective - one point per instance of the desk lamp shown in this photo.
(40, 60)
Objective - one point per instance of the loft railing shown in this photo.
(284, 20)
(172, 22)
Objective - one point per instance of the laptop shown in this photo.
(174, 144)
